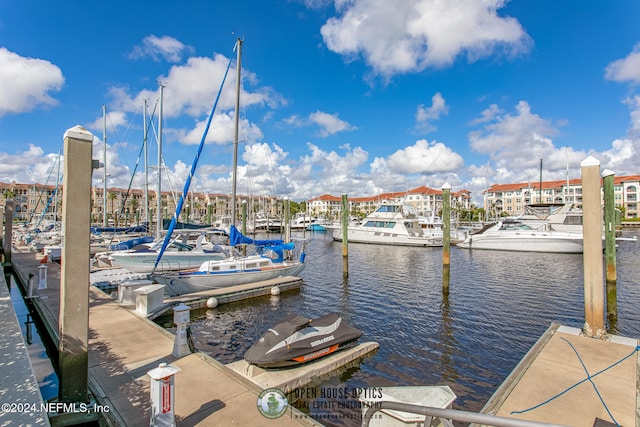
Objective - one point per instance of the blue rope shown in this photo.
(589, 378)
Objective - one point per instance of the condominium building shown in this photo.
(36, 201)
(511, 199)
(423, 200)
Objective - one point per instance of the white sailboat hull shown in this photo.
(180, 283)
(171, 261)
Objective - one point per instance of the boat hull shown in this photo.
(525, 243)
(186, 282)
(361, 235)
(144, 262)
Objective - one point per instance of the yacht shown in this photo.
(553, 216)
(389, 224)
(514, 235)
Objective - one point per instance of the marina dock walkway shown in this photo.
(19, 386)
(573, 380)
(124, 346)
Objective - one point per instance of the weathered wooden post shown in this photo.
(74, 289)
(592, 243)
(9, 208)
(244, 217)
(446, 236)
(209, 210)
(345, 237)
(287, 219)
(610, 247)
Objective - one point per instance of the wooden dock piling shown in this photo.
(9, 207)
(592, 235)
(446, 237)
(610, 248)
(345, 240)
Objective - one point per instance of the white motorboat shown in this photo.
(513, 235)
(389, 224)
(433, 225)
(303, 222)
(553, 216)
(272, 258)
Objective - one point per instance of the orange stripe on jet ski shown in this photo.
(316, 354)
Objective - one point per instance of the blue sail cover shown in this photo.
(273, 249)
(237, 238)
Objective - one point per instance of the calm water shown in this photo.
(499, 304)
(40, 360)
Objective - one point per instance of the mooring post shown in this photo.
(592, 246)
(345, 237)
(610, 247)
(74, 289)
(9, 208)
(244, 217)
(287, 219)
(446, 236)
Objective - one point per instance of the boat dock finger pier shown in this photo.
(124, 346)
(569, 379)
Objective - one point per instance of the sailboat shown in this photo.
(252, 260)
(265, 259)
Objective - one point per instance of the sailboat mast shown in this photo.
(540, 201)
(566, 192)
(146, 166)
(159, 193)
(235, 134)
(104, 167)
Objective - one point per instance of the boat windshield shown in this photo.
(388, 208)
(380, 224)
(515, 226)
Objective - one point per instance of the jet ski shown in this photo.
(297, 340)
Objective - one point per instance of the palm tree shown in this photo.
(112, 196)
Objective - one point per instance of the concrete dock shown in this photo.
(288, 380)
(124, 346)
(19, 388)
(570, 379)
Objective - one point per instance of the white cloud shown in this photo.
(114, 119)
(626, 69)
(189, 90)
(329, 124)
(426, 115)
(425, 158)
(157, 48)
(634, 105)
(221, 131)
(27, 83)
(412, 35)
(27, 166)
(509, 137)
(487, 115)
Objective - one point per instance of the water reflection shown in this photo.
(498, 305)
(40, 360)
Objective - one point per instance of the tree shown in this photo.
(112, 196)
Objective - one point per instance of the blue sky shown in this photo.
(346, 96)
